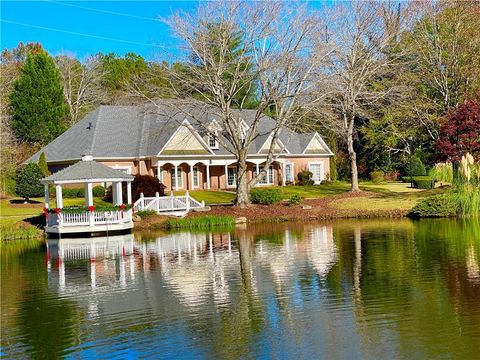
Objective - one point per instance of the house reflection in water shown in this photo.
(187, 269)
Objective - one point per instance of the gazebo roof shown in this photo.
(85, 171)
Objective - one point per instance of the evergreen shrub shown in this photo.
(265, 196)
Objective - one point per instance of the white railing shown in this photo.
(163, 204)
(87, 218)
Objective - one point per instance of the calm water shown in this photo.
(348, 289)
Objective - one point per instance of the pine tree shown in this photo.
(37, 102)
(28, 181)
(42, 162)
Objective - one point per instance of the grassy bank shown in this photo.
(16, 230)
(327, 201)
(200, 222)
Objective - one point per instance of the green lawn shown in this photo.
(313, 191)
(395, 195)
(210, 196)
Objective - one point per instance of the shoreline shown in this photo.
(321, 209)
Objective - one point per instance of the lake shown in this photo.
(345, 289)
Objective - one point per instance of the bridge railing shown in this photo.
(163, 204)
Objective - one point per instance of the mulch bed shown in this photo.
(321, 209)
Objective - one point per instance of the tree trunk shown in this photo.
(243, 188)
(353, 157)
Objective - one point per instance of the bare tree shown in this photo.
(446, 44)
(81, 84)
(234, 47)
(361, 38)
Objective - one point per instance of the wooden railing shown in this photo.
(89, 218)
(162, 204)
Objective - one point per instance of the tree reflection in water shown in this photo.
(345, 289)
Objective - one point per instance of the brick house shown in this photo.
(184, 153)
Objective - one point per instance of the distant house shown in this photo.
(184, 153)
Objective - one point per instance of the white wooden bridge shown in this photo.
(168, 205)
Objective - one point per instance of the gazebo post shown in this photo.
(129, 198)
(59, 201)
(47, 197)
(129, 192)
(118, 185)
(58, 194)
(89, 202)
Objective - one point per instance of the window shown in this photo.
(124, 169)
(289, 172)
(243, 130)
(231, 176)
(212, 140)
(195, 177)
(266, 180)
(179, 182)
(317, 170)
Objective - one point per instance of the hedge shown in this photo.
(420, 182)
(423, 182)
(68, 193)
(265, 196)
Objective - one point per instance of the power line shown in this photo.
(83, 34)
(102, 11)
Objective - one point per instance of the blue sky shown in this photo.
(111, 26)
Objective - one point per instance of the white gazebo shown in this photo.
(88, 220)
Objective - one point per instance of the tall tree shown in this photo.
(360, 63)
(37, 103)
(276, 53)
(246, 97)
(81, 84)
(444, 45)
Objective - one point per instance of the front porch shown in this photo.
(212, 175)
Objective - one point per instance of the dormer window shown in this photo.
(213, 140)
(243, 130)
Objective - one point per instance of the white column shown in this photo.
(258, 172)
(47, 197)
(159, 172)
(129, 192)
(89, 202)
(191, 177)
(176, 178)
(283, 173)
(208, 176)
(226, 176)
(118, 185)
(114, 193)
(58, 194)
(88, 194)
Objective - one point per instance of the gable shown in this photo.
(316, 146)
(184, 142)
(277, 148)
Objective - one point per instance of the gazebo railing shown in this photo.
(89, 219)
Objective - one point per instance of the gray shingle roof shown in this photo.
(142, 131)
(87, 170)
